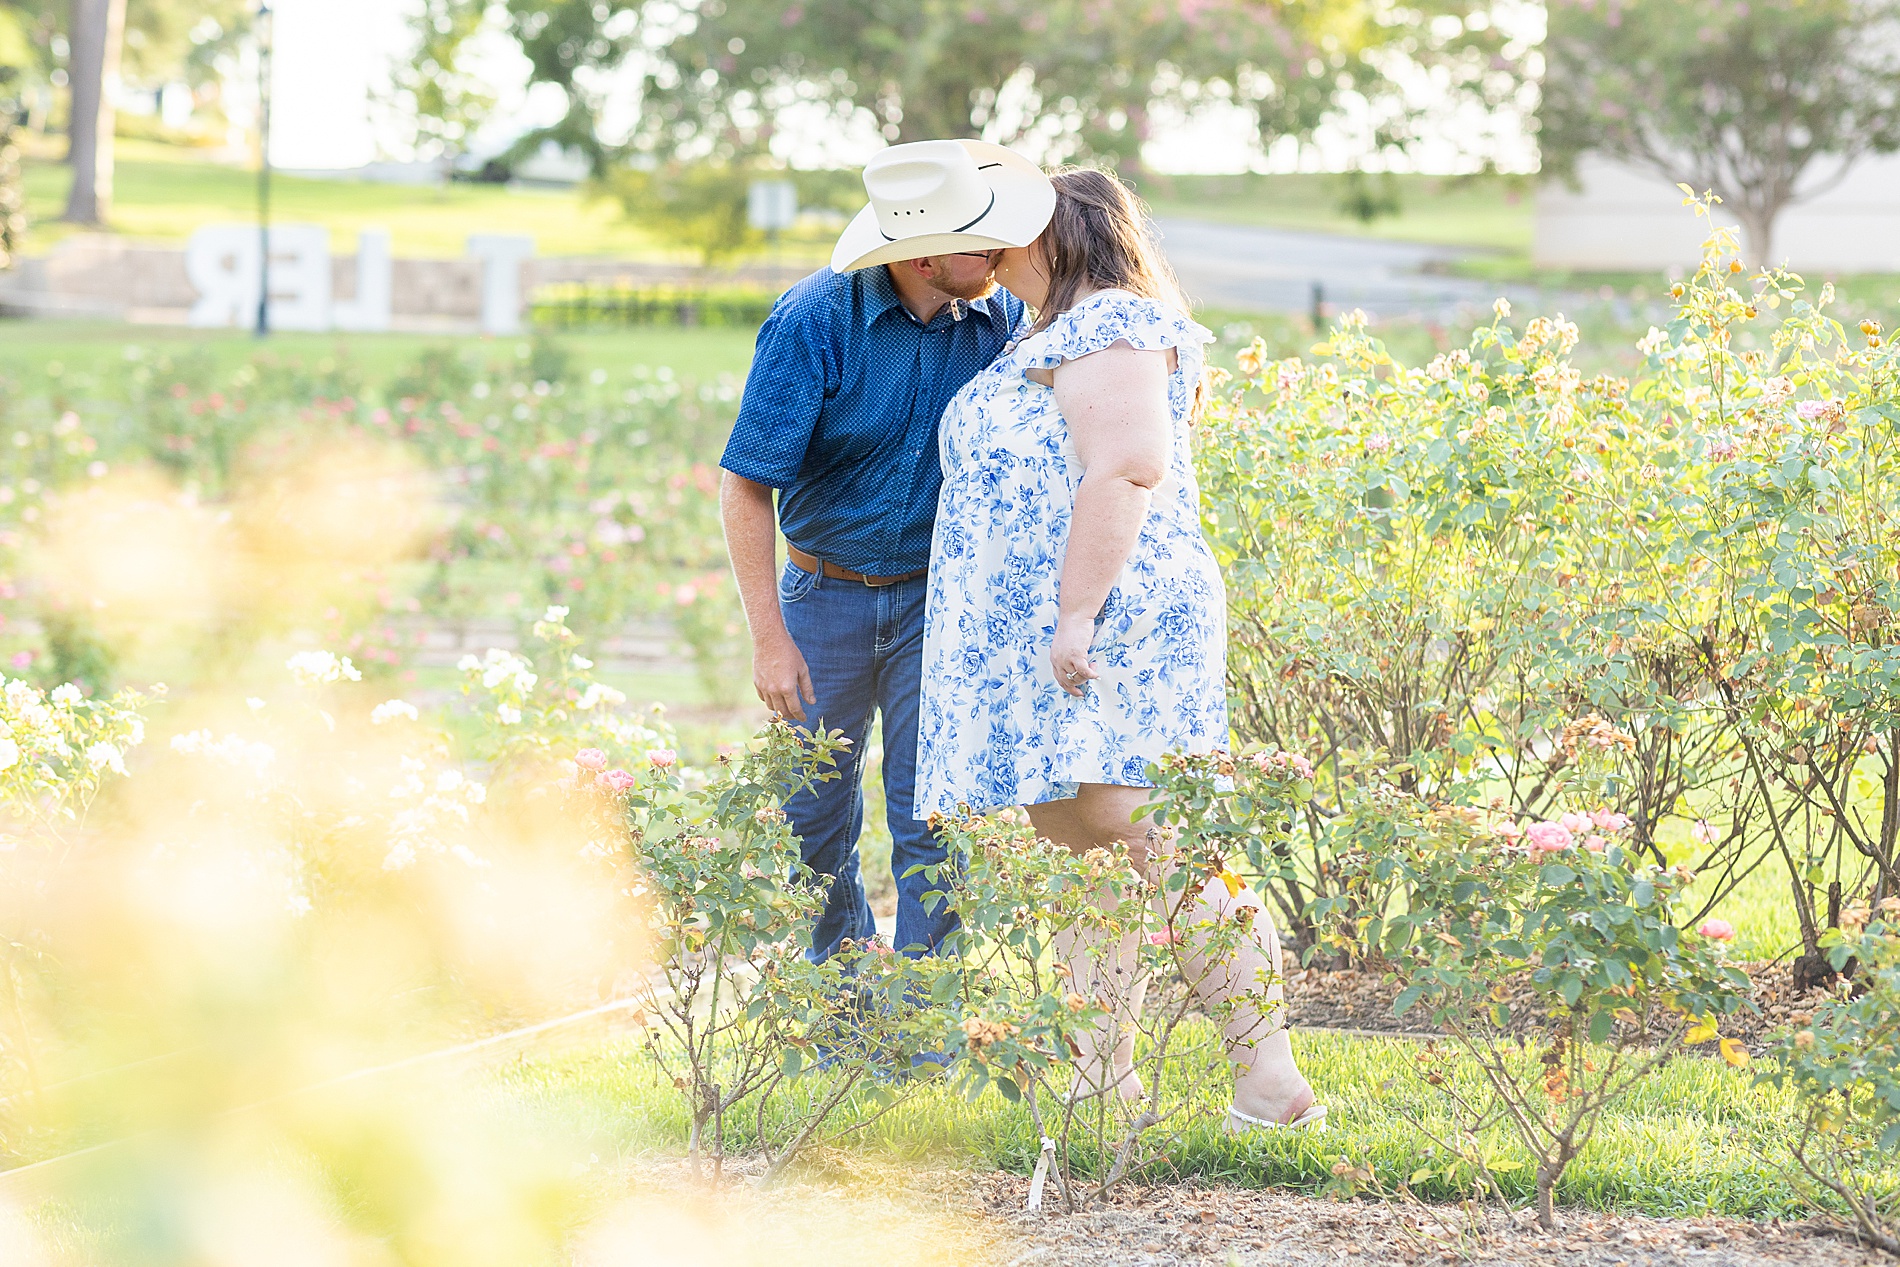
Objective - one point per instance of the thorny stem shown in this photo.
(1061, 1168)
(1868, 1221)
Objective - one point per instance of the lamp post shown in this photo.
(264, 42)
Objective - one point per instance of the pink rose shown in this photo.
(1576, 824)
(614, 780)
(1809, 410)
(1703, 831)
(1596, 844)
(591, 759)
(662, 758)
(1282, 761)
(1717, 930)
(1166, 937)
(1549, 837)
(1609, 820)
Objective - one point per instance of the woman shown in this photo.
(1075, 627)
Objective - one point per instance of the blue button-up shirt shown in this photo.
(840, 413)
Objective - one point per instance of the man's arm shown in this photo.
(779, 673)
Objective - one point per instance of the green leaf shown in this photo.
(1600, 1027)
(1408, 998)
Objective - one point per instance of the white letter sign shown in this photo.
(501, 257)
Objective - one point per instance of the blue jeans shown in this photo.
(864, 647)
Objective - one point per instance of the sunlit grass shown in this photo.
(1696, 1138)
(78, 354)
(165, 194)
(1492, 214)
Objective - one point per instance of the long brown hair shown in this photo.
(1100, 238)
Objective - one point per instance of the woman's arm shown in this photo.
(1116, 405)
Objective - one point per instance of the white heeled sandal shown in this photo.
(1238, 1123)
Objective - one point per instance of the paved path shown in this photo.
(1255, 269)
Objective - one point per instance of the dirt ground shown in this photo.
(1176, 1227)
(851, 1211)
(845, 1209)
(1350, 999)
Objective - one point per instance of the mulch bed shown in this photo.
(1179, 1226)
(852, 1210)
(1349, 999)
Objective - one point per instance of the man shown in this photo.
(852, 371)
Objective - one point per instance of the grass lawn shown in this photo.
(1488, 213)
(164, 193)
(93, 348)
(1691, 1140)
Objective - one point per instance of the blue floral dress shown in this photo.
(995, 728)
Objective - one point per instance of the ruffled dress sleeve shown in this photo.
(1118, 316)
(1108, 317)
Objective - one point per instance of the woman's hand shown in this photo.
(1070, 654)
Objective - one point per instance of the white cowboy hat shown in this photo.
(942, 197)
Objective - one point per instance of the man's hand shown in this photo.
(778, 668)
(780, 676)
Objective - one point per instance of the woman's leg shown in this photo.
(1097, 968)
(1267, 1080)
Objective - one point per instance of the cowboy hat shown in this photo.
(943, 197)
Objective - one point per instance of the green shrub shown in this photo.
(1062, 955)
(529, 482)
(583, 305)
(1460, 576)
(1588, 925)
(1844, 1069)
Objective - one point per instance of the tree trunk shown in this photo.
(1758, 235)
(1546, 1198)
(98, 38)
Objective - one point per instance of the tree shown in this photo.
(1083, 75)
(97, 37)
(174, 41)
(16, 56)
(1766, 103)
(576, 45)
(443, 102)
(159, 40)
(1081, 70)
(701, 206)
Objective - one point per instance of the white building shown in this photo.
(1625, 217)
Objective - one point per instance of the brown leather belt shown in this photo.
(811, 564)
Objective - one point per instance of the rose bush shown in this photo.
(557, 855)
(1481, 572)
(543, 485)
(1024, 1011)
(1844, 1070)
(1470, 908)
(733, 1011)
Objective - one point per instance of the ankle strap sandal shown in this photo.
(1238, 1123)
